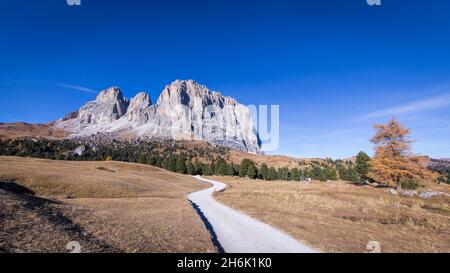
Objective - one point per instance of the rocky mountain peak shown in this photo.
(186, 92)
(141, 99)
(185, 110)
(111, 95)
(138, 107)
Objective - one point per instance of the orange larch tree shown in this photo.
(392, 163)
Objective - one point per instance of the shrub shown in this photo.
(410, 184)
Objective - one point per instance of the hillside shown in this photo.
(106, 206)
(21, 129)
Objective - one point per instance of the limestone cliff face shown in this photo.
(184, 110)
(109, 106)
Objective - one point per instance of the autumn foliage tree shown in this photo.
(392, 163)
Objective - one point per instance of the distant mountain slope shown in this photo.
(21, 129)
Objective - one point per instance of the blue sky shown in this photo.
(334, 67)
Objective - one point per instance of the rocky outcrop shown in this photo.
(138, 108)
(109, 106)
(184, 110)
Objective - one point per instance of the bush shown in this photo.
(410, 185)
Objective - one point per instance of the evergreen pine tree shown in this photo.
(295, 173)
(251, 171)
(362, 165)
(272, 174)
(264, 171)
(190, 168)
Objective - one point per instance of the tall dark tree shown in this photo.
(251, 171)
(181, 165)
(152, 161)
(206, 170)
(221, 167)
(264, 171)
(190, 168)
(142, 159)
(230, 169)
(244, 166)
(170, 164)
(212, 167)
(221, 170)
(352, 175)
(362, 165)
(295, 173)
(272, 175)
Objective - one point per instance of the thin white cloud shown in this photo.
(413, 107)
(78, 88)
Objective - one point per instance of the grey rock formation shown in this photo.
(138, 108)
(109, 106)
(184, 110)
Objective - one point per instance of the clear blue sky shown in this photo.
(334, 67)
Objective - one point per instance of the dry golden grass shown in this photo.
(108, 179)
(340, 217)
(276, 161)
(130, 207)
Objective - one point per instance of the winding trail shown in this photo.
(236, 232)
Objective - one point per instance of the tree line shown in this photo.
(170, 158)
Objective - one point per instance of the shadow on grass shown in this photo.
(46, 209)
(209, 227)
(15, 188)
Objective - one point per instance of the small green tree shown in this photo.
(330, 174)
(206, 170)
(159, 162)
(362, 165)
(230, 169)
(170, 164)
(264, 171)
(212, 168)
(318, 173)
(198, 167)
(352, 175)
(221, 169)
(283, 173)
(152, 161)
(251, 171)
(181, 165)
(244, 166)
(272, 175)
(295, 174)
(190, 168)
(142, 159)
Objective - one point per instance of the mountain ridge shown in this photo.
(185, 109)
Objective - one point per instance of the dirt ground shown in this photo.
(105, 206)
(341, 217)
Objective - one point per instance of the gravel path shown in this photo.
(236, 232)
